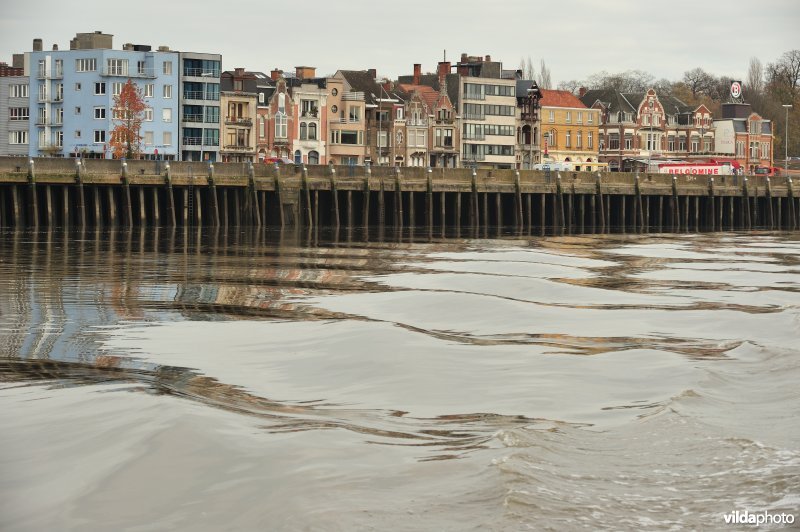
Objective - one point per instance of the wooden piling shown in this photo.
(48, 205)
(746, 205)
(334, 197)
(128, 205)
(601, 212)
(768, 199)
(65, 204)
(349, 209)
(381, 204)
(156, 209)
(142, 213)
(98, 217)
(367, 191)
(215, 220)
(398, 197)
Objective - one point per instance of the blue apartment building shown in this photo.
(72, 98)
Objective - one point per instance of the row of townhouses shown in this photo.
(472, 113)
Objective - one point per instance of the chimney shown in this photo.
(582, 92)
(417, 73)
(238, 71)
(305, 72)
(443, 70)
(55, 47)
(464, 58)
(163, 48)
(518, 74)
(372, 72)
(37, 45)
(128, 46)
(488, 58)
(275, 74)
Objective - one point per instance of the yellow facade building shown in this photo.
(569, 131)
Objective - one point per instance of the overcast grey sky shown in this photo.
(576, 38)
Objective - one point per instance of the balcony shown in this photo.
(44, 74)
(353, 96)
(419, 122)
(147, 73)
(192, 118)
(347, 121)
(238, 121)
(473, 157)
(200, 73)
(238, 148)
(313, 113)
(192, 141)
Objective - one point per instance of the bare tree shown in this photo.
(572, 86)
(785, 73)
(526, 67)
(699, 81)
(754, 84)
(544, 76)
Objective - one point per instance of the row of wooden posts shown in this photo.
(304, 203)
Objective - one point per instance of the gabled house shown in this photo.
(639, 129)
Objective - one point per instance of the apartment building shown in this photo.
(310, 101)
(350, 93)
(639, 128)
(528, 149)
(570, 130)
(72, 94)
(238, 120)
(14, 115)
(487, 107)
(744, 136)
(199, 79)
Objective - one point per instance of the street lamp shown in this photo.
(786, 141)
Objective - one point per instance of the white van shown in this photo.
(555, 167)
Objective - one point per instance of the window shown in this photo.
(579, 140)
(281, 126)
(148, 90)
(117, 67)
(613, 141)
(167, 138)
(682, 144)
(350, 137)
(18, 113)
(99, 88)
(383, 139)
(589, 139)
(590, 117)
(18, 91)
(58, 138)
(77, 110)
(313, 157)
(77, 133)
(85, 65)
(695, 144)
(670, 143)
(166, 115)
(400, 113)
(646, 120)
(354, 114)
(628, 142)
(99, 112)
(77, 87)
(18, 137)
(140, 68)
(303, 131)
(211, 137)
(116, 88)
(312, 131)
(148, 137)
(261, 97)
(59, 113)
(148, 114)
(99, 136)
(569, 117)
(168, 68)
(568, 142)
(580, 118)
(308, 107)
(167, 91)
(552, 116)
(262, 127)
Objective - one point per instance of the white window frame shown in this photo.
(149, 89)
(99, 136)
(100, 88)
(166, 138)
(148, 114)
(166, 114)
(167, 91)
(18, 137)
(99, 113)
(167, 68)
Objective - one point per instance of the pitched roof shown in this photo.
(555, 98)
(362, 81)
(428, 94)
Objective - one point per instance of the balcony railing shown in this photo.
(473, 116)
(125, 73)
(193, 95)
(419, 122)
(353, 96)
(238, 121)
(192, 141)
(313, 113)
(473, 157)
(238, 147)
(192, 118)
(200, 73)
(44, 74)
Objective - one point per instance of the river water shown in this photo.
(193, 380)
